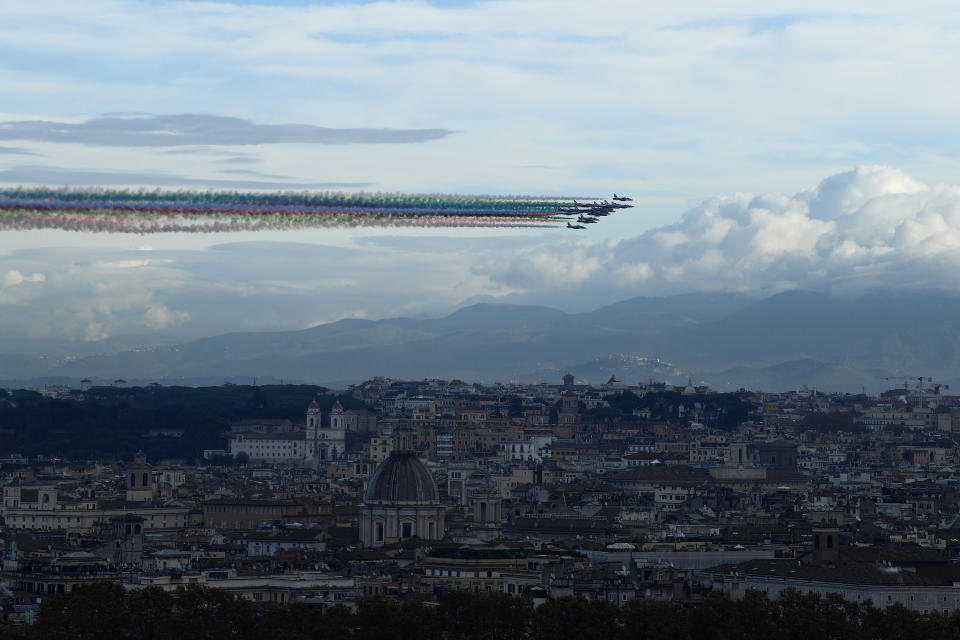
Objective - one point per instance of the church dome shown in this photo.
(401, 478)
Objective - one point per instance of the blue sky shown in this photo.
(673, 103)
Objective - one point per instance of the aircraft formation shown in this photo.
(592, 212)
(158, 211)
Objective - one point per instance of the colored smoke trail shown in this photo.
(126, 211)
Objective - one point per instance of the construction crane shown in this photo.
(905, 379)
(919, 386)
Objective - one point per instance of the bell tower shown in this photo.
(313, 420)
(826, 548)
(128, 533)
(403, 440)
(337, 420)
(336, 434)
(140, 485)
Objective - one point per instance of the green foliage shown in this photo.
(466, 616)
(651, 620)
(833, 421)
(108, 422)
(574, 619)
(109, 611)
(604, 414)
(719, 410)
(100, 608)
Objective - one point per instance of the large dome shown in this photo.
(401, 478)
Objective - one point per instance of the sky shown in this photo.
(768, 146)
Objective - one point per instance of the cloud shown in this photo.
(125, 264)
(861, 229)
(610, 94)
(191, 289)
(870, 227)
(16, 151)
(61, 176)
(240, 160)
(202, 151)
(13, 277)
(201, 129)
(632, 274)
(95, 331)
(252, 174)
(540, 267)
(159, 317)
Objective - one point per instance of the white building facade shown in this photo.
(317, 443)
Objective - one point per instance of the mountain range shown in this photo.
(728, 341)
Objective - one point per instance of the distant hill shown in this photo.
(796, 374)
(726, 340)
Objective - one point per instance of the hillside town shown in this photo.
(614, 492)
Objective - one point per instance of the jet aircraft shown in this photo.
(589, 213)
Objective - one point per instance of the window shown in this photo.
(379, 532)
(406, 530)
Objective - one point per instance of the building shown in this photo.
(140, 484)
(318, 442)
(331, 438)
(923, 580)
(569, 414)
(401, 500)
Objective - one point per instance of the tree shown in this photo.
(151, 613)
(496, 616)
(201, 613)
(95, 610)
(574, 619)
(650, 620)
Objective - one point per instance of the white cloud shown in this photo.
(124, 264)
(199, 129)
(670, 239)
(855, 230)
(13, 277)
(561, 266)
(159, 317)
(95, 331)
(870, 227)
(633, 274)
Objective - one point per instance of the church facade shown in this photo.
(316, 443)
